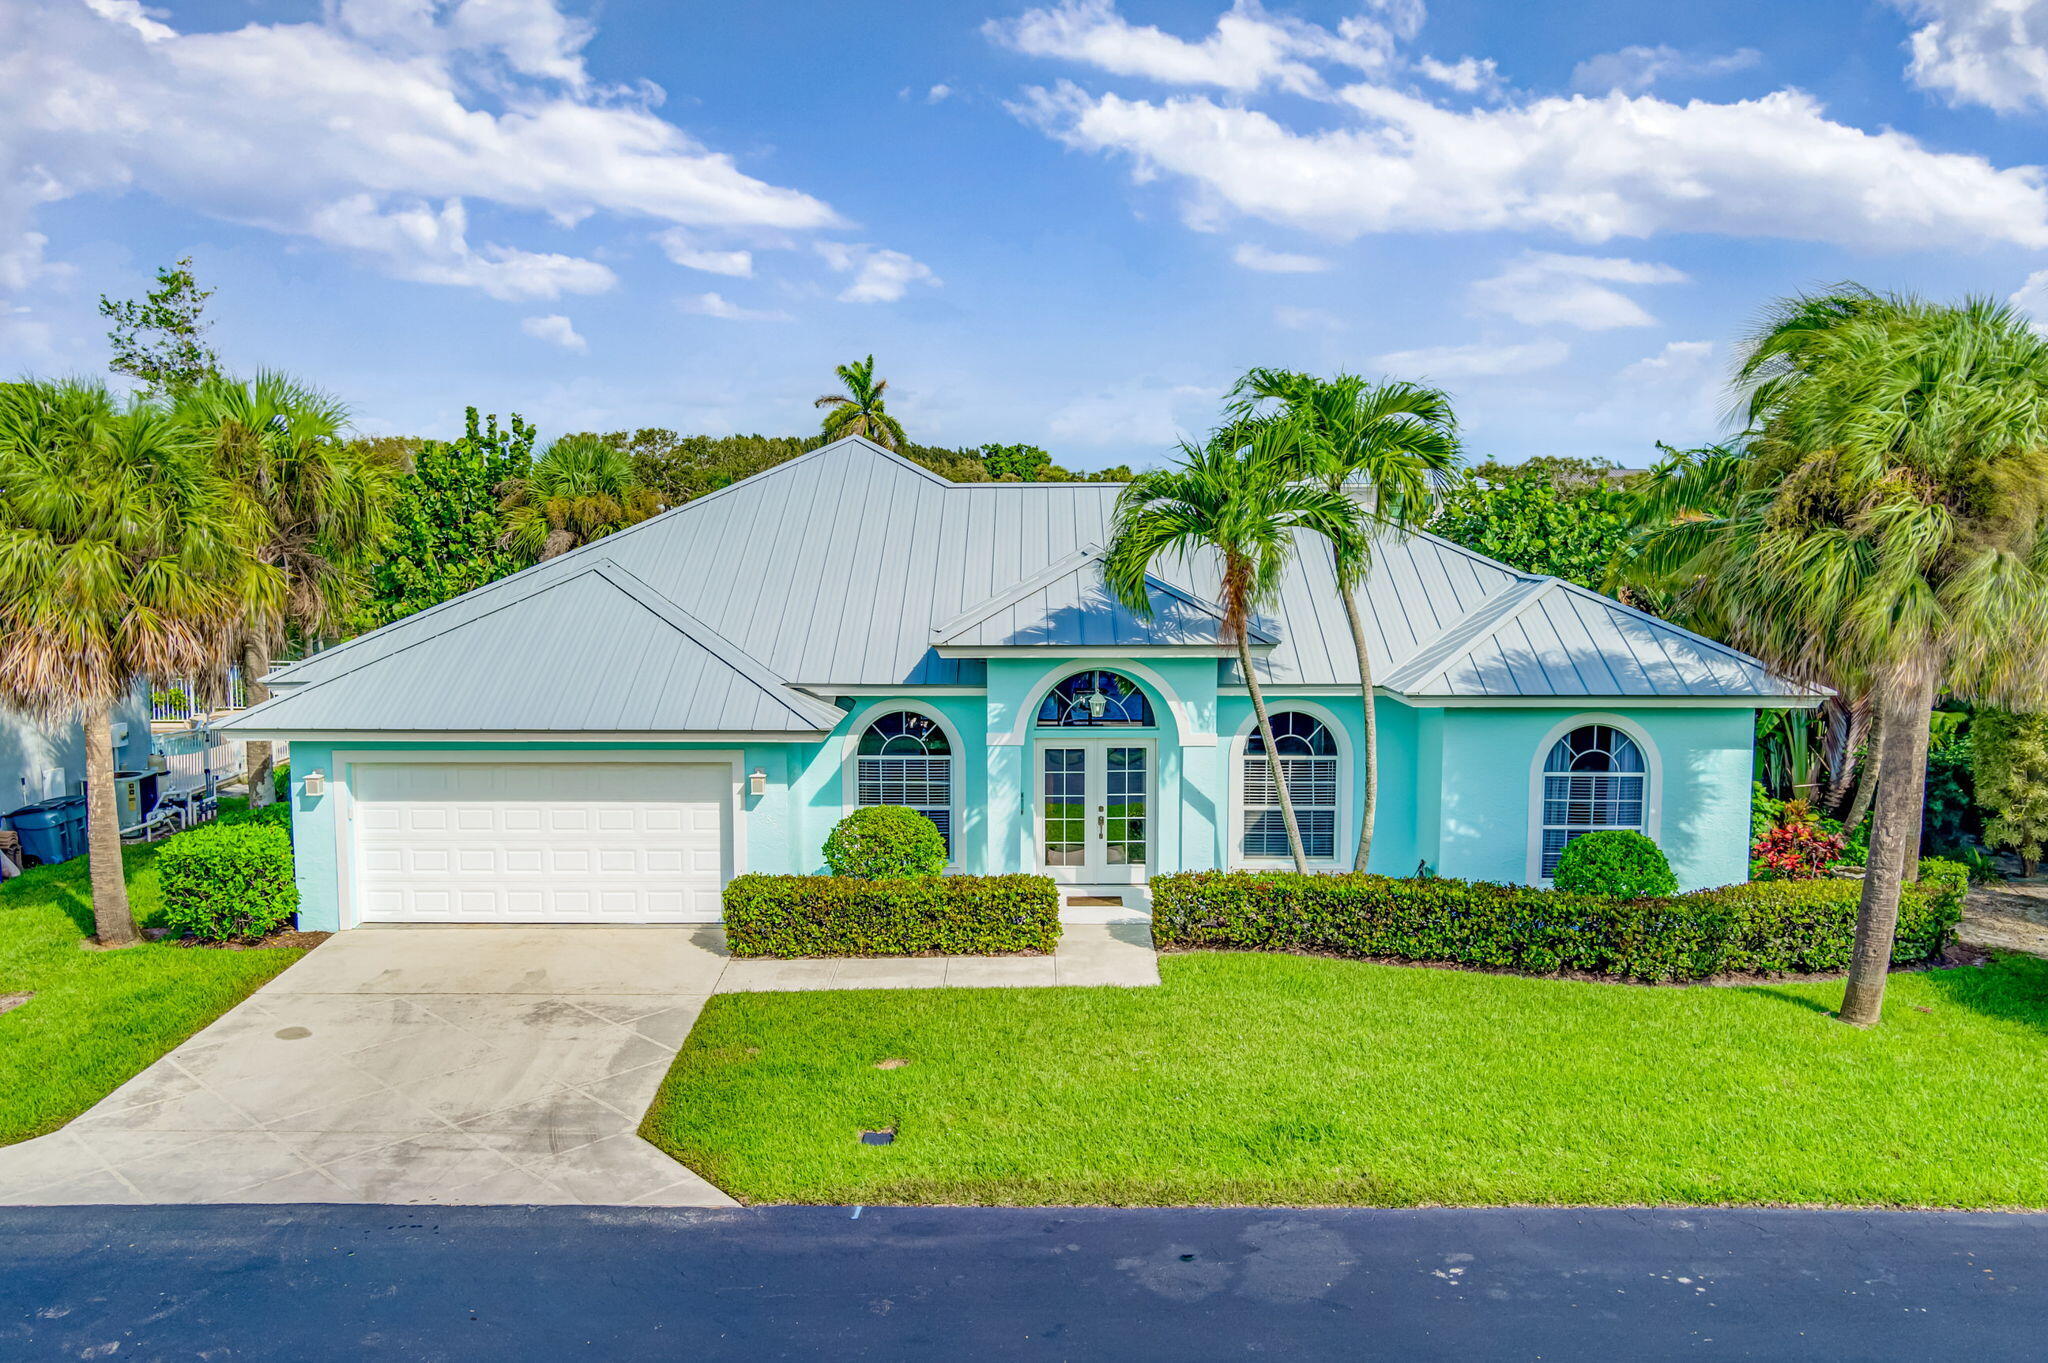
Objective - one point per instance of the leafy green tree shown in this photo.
(579, 490)
(862, 409)
(1237, 497)
(124, 555)
(1023, 463)
(1387, 446)
(2011, 769)
(445, 526)
(161, 338)
(323, 503)
(1884, 518)
(1554, 516)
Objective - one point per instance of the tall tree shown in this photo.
(1888, 514)
(2010, 753)
(1387, 446)
(1237, 497)
(861, 409)
(1555, 516)
(445, 525)
(580, 489)
(124, 555)
(323, 502)
(161, 337)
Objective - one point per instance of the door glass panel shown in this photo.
(1064, 800)
(1126, 822)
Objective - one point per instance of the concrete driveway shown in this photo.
(446, 1065)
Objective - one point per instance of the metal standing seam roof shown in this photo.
(595, 650)
(837, 567)
(1067, 605)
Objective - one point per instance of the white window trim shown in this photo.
(341, 790)
(1345, 848)
(1653, 782)
(1025, 722)
(849, 762)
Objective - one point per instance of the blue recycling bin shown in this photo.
(42, 830)
(74, 817)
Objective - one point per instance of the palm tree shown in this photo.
(1888, 514)
(1387, 444)
(580, 489)
(1234, 497)
(323, 500)
(123, 555)
(861, 409)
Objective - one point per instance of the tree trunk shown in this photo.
(112, 921)
(262, 789)
(1370, 755)
(1251, 683)
(1902, 774)
(1866, 778)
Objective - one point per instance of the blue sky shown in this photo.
(1068, 223)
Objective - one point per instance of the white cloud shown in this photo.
(555, 329)
(879, 276)
(2032, 298)
(1542, 287)
(1989, 52)
(680, 247)
(1483, 360)
(346, 131)
(1249, 49)
(937, 93)
(417, 242)
(1635, 69)
(1254, 257)
(717, 305)
(1590, 168)
(1675, 395)
(1140, 412)
(1467, 75)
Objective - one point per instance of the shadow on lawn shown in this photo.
(2012, 988)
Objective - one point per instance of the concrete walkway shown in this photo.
(461, 1065)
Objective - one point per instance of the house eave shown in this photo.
(1094, 651)
(514, 736)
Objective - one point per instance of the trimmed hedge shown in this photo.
(769, 915)
(875, 842)
(1614, 861)
(228, 882)
(1801, 926)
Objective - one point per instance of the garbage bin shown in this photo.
(72, 813)
(42, 831)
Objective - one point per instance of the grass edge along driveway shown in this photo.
(1279, 1080)
(98, 1018)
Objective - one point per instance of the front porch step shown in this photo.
(1105, 904)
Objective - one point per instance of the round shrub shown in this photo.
(876, 841)
(228, 882)
(1618, 862)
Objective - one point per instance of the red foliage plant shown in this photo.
(1798, 851)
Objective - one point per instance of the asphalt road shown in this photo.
(310, 1283)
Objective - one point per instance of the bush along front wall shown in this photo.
(787, 916)
(226, 882)
(1799, 926)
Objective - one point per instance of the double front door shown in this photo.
(1095, 810)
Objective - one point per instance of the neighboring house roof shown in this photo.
(1067, 606)
(850, 566)
(591, 650)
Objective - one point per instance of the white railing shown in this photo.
(199, 762)
(182, 698)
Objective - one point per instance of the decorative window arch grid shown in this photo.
(904, 759)
(1073, 703)
(1593, 778)
(1309, 764)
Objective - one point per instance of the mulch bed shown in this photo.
(283, 937)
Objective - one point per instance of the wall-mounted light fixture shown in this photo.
(757, 782)
(315, 783)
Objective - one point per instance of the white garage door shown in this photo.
(540, 842)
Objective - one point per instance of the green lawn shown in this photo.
(1275, 1079)
(98, 1017)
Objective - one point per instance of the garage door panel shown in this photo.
(540, 842)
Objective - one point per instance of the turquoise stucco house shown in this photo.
(612, 735)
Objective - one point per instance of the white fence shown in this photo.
(184, 698)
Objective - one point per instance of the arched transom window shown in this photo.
(1308, 760)
(1593, 778)
(904, 759)
(1096, 699)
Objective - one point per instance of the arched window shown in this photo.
(904, 759)
(1308, 760)
(1097, 699)
(1593, 778)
